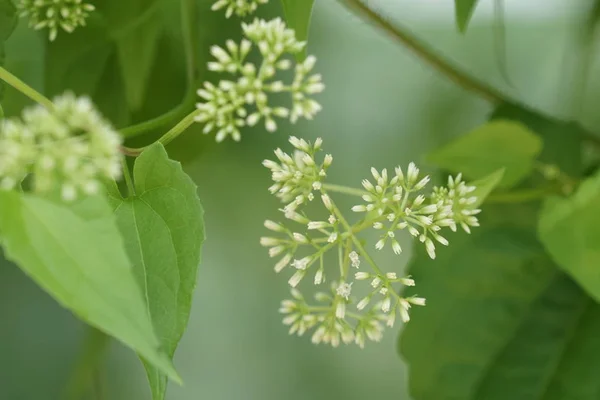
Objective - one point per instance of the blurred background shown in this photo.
(382, 107)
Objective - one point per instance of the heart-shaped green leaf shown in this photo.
(163, 228)
(75, 253)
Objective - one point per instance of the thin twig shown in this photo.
(445, 66)
(427, 53)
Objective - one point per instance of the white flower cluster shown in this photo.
(241, 8)
(298, 175)
(55, 14)
(458, 196)
(397, 204)
(71, 149)
(299, 179)
(233, 104)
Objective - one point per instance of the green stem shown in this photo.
(25, 89)
(87, 365)
(165, 119)
(127, 176)
(167, 137)
(366, 255)
(344, 189)
(341, 261)
(357, 243)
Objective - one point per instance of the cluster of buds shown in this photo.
(241, 8)
(70, 148)
(298, 175)
(392, 204)
(397, 203)
(55, 14)
(233, 104)
(458, 198)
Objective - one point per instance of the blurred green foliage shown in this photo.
(382, 107)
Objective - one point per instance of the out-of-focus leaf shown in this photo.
(485, 186)
(77, 62)
(495, 145)
(8, 21)
(562, 140)
(163, 229)
(464, 11)
(501, 322)
(297, 15)
(25, 59)
(76, 254)
(137, 47)
(570, 230)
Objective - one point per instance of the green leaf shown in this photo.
(8, 19)
(501, 322)
(87, 64)
(76, 254)
(485, 186)
(136, 26)
(8, 22)
(163, 228)
(562, 140)
(76, 62)
(137, 51)
(298, 14)
(495, 145)
(570, 230)
(464, 11)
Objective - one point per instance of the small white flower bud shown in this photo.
(422, 183)
(317, 225)
(396, 247)
(327, 202)
(360, 276)
(412, 174)
(300, 238)
(386, 304)
(407, 281)
(275, 251)
(319, 277)
(296, 278)
(418, 301)
(274, 226)
(368, 185)
(269, 241)
(430, 247)
(363, 303)
(281, 264)
(391, 319)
